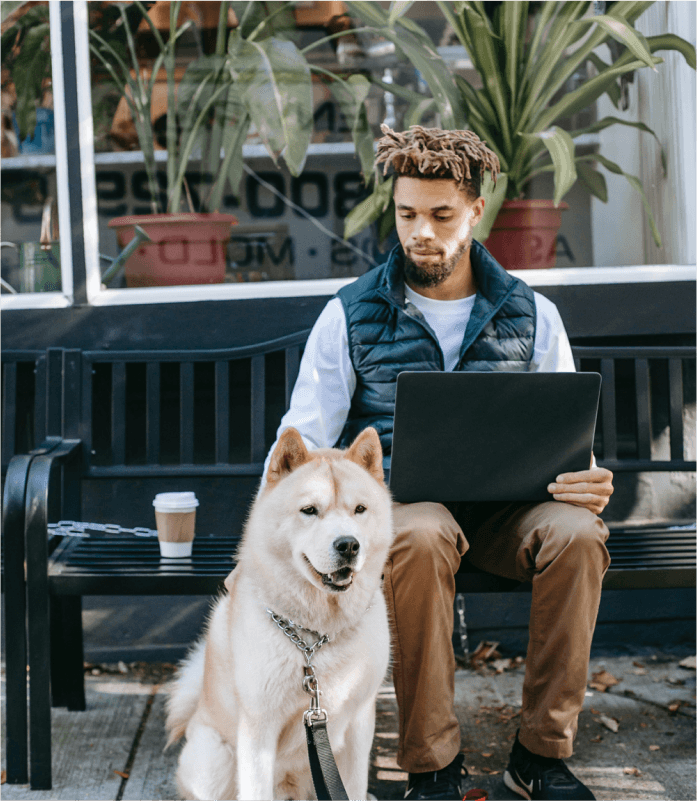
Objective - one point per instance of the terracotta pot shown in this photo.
(524, 234)
(186, 248)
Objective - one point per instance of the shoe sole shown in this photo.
(510, 782)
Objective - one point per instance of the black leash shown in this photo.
(325, 774)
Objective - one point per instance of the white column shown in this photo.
(667, 105)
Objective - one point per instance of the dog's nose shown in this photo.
(348, 547)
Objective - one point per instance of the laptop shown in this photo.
(492, 436)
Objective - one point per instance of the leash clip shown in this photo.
(315, 713)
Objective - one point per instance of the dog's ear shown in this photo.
(366, 451)
(289, 454)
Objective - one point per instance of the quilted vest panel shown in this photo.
(388, 336)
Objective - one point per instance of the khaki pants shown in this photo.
(557, 546)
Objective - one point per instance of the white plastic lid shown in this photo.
(175, 501)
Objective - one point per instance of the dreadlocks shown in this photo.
(435, 153)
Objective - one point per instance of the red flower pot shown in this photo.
(524, 234)
(186, 248)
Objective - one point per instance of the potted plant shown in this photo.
(256, 77)
(525, 55)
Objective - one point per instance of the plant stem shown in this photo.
(319, 42)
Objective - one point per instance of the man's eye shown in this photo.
(442, 219)
(309, 510)
(360, 509)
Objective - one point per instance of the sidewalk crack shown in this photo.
(125, 774)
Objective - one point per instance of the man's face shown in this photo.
(434, 224)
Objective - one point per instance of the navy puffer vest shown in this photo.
(387, 337)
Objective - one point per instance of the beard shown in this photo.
(435, 273)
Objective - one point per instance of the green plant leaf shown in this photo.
(250, 14)
(351, 95)
(669, 41)
(635, 183)
(387, 223)
(416, 111)
(613, 91)
(424, 56)
(513, 19)
(276, 87)
(370, 209)
(620, 30)
(31, 66)
(397, 9)
(493, 195)
(371, 13)
(593, 180)
(562, 150)
(606, 122)
(485, 56)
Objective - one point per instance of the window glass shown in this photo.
(30, 249)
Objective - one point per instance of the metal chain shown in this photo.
(72, 528)
(310, 683)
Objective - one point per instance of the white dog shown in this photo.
(313, 552)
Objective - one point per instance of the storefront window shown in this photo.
(31, 258)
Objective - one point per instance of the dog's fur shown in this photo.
(239, 699)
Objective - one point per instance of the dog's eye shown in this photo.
(309, 510)
(360, 509)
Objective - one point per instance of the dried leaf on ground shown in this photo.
(122, 774)
(689, 662)
(487, 754)
(3, 777)
(632, 771)
(674, 706)
(654, 748)
(610, 723)
(500, 665)
(638, 664)
(639, 672)
(677, 682)
(602, 680)
(484, 652)
(122, 667)
(597, 739)
(491, 771)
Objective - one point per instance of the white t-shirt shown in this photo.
(321, 399)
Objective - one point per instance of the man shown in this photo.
(441, 302)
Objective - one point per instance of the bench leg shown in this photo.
(67, 674)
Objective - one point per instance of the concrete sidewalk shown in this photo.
(114, 749)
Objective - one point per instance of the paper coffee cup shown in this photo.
(175, 513)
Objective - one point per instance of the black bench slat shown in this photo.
(118, 413)
(643, 407)
(676, 406)
(222, 412)
(186, 412)
(292, 369)
(258, 444)
(40, 399)
(152, 413)
(9, 417)
(608, 409)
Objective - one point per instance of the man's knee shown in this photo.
(573, 533)
(427, 533)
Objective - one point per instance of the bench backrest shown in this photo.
(198, 413)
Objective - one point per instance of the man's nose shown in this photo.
(423, 230)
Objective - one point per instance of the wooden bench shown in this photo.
(98, 418)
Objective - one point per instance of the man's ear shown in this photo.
(289, 454)
(366, 452)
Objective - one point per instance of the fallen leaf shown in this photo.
(638, 664)
(675, 706)
(485, 651)
(654, 748)
(487, 754)
(468, 751)
(96, 672)
(3, 777)
(602, 680)
(610, 723)
(122, 774)
(643, 725)
(475, 794)
(500, 665)
(632, 771)
(594, 711)
(689, 662)
(678, 682)
(639, 672)
(597, 739)
(491, 771)
(122, 667)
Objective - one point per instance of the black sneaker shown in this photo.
(442, 784)
(536, 777)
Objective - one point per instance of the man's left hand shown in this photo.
(590, 488)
